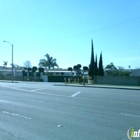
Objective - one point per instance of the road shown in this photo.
(41, 111)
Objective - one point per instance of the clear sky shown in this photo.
(64, 29)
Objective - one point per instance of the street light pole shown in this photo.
(12, 57)
(12, 63)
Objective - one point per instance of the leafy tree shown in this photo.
(111, 66)
(49, 62)
(27, 64)
(24, 73)
(29, 69)
(91, 66)
(85, 68)
(70, 69)
(77, 68)
(118, 72)
(41, 70)
(34, 68)
(101, 71)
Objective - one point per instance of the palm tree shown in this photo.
(5, 64)
(49, 62)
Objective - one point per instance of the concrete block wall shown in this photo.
(118, 80)
(16, 78)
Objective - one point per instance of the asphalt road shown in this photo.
(41, 111)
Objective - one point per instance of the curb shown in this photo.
(125, 88)
(9, 82)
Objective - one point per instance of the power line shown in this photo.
(104, 27)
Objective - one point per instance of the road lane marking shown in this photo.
(37, 89)
(75, 94)
(96, 99)
(130, 115)
(17, 115)
(36, 92)
(51, 94)
(34, 100)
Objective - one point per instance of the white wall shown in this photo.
(45, 78)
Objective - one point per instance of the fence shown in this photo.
(117, 80)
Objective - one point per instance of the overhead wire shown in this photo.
(103, 28)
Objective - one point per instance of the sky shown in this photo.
(64, 29)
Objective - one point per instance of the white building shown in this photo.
(135, 72)
(18, 71)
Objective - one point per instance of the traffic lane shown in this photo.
(35, 85)
(35, 97)
(87, 104)
(81, 123)
(119, 95)
(6, 90)
(74, 124)
(39, 98)
(45, 90)
(82, 109)
(14, 110)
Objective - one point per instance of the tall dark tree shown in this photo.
(91, 66)
(95, 67)
(101, 71)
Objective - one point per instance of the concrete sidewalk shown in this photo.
(100, 86)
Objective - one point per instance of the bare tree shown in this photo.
(27, 64)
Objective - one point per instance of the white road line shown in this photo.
(51, 94)
(37, 89)
(17, 115)
(34, 100)
(75, 94)
(130, 115)
(36, 92)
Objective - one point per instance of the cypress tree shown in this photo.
(101, 71)
(96, 68)
(91, 66)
